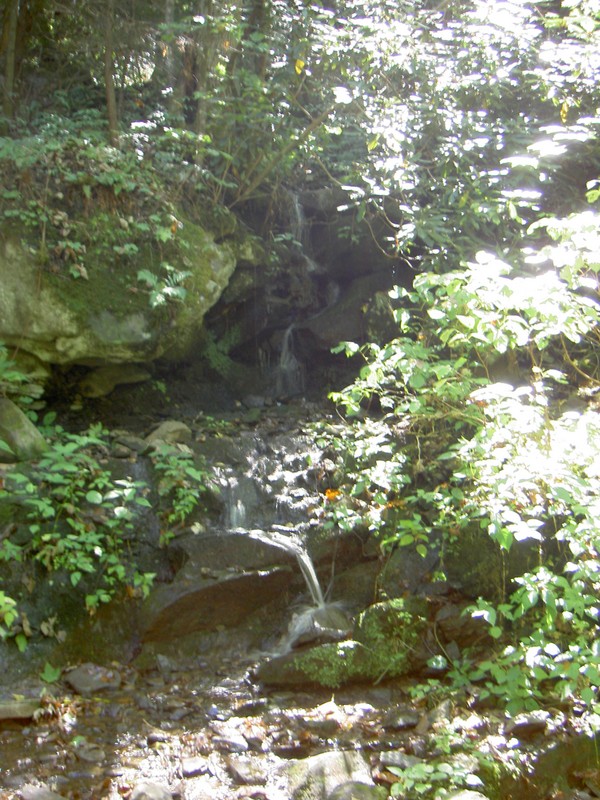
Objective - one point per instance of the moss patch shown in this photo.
(383, 645)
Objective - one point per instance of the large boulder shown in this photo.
(106, 316)
(225, 578)
(21, 439)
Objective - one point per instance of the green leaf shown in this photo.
(94, 497)
(50, 674)
(436, 313)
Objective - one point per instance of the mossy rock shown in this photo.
(105, 315)
(384, 644)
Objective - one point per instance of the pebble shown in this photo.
(395, 758)
(193, 766)
(398, 719)
(150, 791)
(30, 792)
(231, 743)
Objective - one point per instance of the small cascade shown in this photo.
(299, 229)
(235, 509)
(289, 372)
(297, 219)
(292, 544)
(266, 496)
(320, 621)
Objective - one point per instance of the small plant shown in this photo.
(434, 780)
(8, 616)
(216, 351)
(169, 288)
(11, 376)
(77, 518)
(180, 487)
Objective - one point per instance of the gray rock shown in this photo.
(525, 726)
(90, 678)
(101, 381)
(395, 758)
(193, 766)
(466, 794)
(355, 790)
(18, 709)
(31, 792)
(171, 431)
(63, 321)
(399, 719)
(150, 791)
(247, 771)
(386, 642)
(90, 752)
(230, 743)
(184, 607)
(316, 777)
(26, 443)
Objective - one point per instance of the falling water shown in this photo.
(289, 373)
(297, 219)
(292, 544)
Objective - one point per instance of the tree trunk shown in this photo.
(109, 81)
(11, 19)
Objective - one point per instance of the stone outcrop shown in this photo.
(22, 440)
(107, 316)
(226, 578)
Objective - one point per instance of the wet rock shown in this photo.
(170, 432)
(91, 678)
(355, 790)
(466, 794)
(128, 441)
(247, 771)
(525, 726)
(24, 440)
(316, 777)
(18, 709)
(103, 380)
(193, 766)
(157, 737)
(456, 626)
(340, 321)
(385, 642)
(30, 792)
(231, 743)
(150, 791)
(327, 623)
(90, 752)
(399, 719)
(395, 758)
(188, 605)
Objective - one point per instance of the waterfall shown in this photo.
(297, 219)
(292, 544)
(265, 498)
(289, 373)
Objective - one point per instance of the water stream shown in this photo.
(289, 372)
